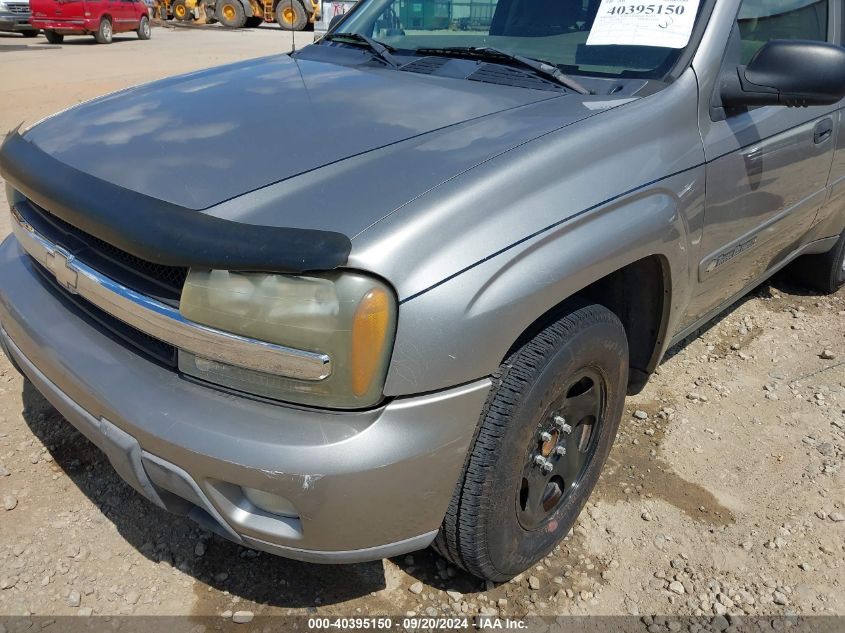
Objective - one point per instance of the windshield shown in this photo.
(616, 38)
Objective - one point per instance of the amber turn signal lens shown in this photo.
(369, 334)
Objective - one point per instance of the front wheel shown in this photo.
(291, 15)
(144, 31)
(544, 435)
(181, 11)
(104, 32)
(230, 13)
(53, 37)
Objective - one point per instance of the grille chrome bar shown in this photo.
(162, 321)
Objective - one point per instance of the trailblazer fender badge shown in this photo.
(728, 255)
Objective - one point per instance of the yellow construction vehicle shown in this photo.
(291, 15)
(182, 10)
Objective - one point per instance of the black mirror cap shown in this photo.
(789, 73)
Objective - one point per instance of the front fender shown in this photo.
(462, 328)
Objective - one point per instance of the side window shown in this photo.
(762, 20)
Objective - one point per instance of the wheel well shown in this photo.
(639, 295)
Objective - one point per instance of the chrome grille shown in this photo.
(20, 8)
(159, 281)
(159, 320)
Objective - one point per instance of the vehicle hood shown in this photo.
(202, 138)
(359, 138)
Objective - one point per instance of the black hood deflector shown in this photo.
(159, 231)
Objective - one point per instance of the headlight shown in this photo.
(348, 316)
(3, 6)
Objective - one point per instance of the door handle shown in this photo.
(822, 131)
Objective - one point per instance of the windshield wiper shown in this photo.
(380, 50)
(539, 66)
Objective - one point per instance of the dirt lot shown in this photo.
(725, 493)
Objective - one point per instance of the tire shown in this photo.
(230, 13)
(29, 33)
(53, 37)
(144, 31)
(569, 381)
(291, 15)
(104, 32)
(825, 272)
(181, 12)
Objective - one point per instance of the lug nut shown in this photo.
(547, 467)
(561, 422)
(546, 436)
(541, 461)
(560, 450)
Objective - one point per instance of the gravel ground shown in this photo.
(724, 494)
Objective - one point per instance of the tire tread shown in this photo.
(462, 538)
(822, 272)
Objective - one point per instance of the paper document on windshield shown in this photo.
(664, 23)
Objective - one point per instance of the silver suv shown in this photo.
(420, 327)
(14, 17)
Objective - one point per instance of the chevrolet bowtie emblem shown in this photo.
(60, 263)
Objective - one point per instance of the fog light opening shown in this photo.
(271, 503)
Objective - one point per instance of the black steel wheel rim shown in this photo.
(563, 445)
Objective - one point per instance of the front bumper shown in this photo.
(15, 22)
(366, 485)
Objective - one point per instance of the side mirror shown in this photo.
(789, 73)
(335, 19)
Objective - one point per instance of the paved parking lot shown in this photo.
(725, 492)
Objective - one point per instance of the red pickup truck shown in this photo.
(100, 18)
